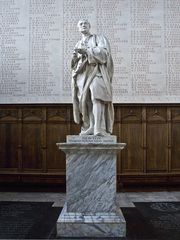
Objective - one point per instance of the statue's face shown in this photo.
(84, 26)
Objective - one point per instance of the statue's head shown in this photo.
(84, 26)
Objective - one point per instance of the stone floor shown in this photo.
(124, 199)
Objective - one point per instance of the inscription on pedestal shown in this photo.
(90, 139)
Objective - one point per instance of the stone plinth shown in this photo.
(90, 209)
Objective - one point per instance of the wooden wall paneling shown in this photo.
(74, 128)
(157, 139)
(169, 146)
(32, 139)
(9, 145)
(117, 132)
(44, 140)
(132, 155)
(9, 139)
(29, 133)
(144, 141)
(20, 165)
(175, 136)
(58, 120)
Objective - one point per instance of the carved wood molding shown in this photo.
(58, 114)
(156, 114)
(31, 114)
(8, 114)
(175, 114)
(131, 114)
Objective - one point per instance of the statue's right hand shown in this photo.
(75, 54)
(81, 51)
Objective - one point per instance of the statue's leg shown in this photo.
(99, 118)
(90, 112)
(88, 126)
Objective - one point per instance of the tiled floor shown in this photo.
(123, 199)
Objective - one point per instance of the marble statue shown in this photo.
(92, 72)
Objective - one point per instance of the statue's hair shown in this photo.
(83, 20)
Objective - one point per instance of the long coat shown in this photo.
(85, 68)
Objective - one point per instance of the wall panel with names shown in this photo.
(38, 37)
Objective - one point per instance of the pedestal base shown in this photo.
(91, 209)
(91, 225)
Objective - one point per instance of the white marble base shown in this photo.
(91, 208)
(99, 225)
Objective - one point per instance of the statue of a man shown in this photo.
(92, 71)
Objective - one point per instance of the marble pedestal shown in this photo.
(90, 209)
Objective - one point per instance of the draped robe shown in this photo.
(91, 79)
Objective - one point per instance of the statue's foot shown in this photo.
(89, 131)
(101, 133)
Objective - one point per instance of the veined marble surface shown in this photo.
(91, 182)
(91, 208)
(91, 173)
(97, 217)
(91, 225)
